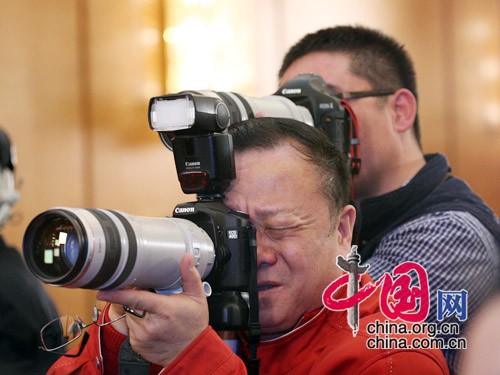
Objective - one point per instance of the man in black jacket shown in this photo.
(412, 208)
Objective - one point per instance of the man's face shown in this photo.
(378, 141)
(297, 238)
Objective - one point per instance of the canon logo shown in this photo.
(192, 164)
(184, 210)
(291, 91)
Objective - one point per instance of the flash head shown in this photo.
(184, 111)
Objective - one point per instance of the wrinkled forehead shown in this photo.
(265, 176)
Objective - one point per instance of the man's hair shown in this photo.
(375, 57)
(266, 133)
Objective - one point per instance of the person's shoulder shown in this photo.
(8, 251)
(408, 362)
(429, 240)
(452, 217)
(207, 353)
(381, 345)
(446, 224)
(11, 262)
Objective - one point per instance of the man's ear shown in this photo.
(405, 109)
(346, 225)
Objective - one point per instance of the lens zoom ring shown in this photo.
(132, 251)
(113, 250)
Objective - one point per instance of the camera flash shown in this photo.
(171, 114)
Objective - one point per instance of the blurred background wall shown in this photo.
(76, 77)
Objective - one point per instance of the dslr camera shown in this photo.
(106, 249)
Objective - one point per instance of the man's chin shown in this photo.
(274, 324)
(273, 330)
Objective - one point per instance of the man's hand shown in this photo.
(115, 312)
(171, 322)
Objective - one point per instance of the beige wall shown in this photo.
(40, 96)
(76, 76)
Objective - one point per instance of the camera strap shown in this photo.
(130, 362)
(254, 322)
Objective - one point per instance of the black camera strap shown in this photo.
(254, 322)
(130, 362)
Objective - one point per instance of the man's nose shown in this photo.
(266, 249)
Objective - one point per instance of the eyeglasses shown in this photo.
(360, 94)
(57, 335)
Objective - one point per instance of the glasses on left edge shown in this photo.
(67, 332)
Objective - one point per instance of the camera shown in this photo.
(106, 249)
(197, 131)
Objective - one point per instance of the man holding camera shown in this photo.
(294, 185)
(411, 207)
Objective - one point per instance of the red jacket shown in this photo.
(322, 344)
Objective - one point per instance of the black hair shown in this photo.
(375, 57)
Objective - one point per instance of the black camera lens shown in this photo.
(56, 244)
(104, 249)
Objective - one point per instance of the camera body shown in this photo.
(231, 233)
(327, 111)
(234, 242)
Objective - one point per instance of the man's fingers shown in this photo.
(191, 280)
(140, 300)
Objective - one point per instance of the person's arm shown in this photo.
(406, 363)
(207, 354)
(454, 248)
(170, 323)
(457, 252)
(352, 356)
(174, 332)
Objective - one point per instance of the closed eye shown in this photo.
(281, 232)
